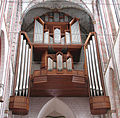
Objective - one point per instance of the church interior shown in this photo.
(60, 59)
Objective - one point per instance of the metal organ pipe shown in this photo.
(19, 65)
(59, 62)
(94, 67)
(38, 36)
(25, 69)
(96, 60)
(75, 33)
(57, 36)
(22, 67)
(89, 75)
(28, 71)
(46, 37)
(67, 34)
(69, 64)
(50, 63)
(91, 69)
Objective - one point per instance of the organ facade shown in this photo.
(59, 59)
(57, 38)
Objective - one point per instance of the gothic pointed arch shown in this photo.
(56, 105)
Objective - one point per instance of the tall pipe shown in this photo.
(67, 34)
(98, 72)
(38, 34)
(25, 69)
(50, 63)
(59, 62)
(22, 68)
(69, 64)
(28, 72)
(57, 36)
(19, 65)
(91, 69)
(46, 37)
(89, 75)
(94, 67)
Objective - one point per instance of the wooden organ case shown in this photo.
(99, 102)
(59, 47)
(19, 102)
(56, 48)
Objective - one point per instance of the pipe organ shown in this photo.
(99, 102)
(57, 49)
(19, 102)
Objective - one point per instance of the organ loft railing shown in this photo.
(19, 102)
(99, 102)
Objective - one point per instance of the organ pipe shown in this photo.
(28, 71)
(51, 40)
(69, 64)
(89, 75)
(63, 40)
(98, 73)
(94, 67)
(38, 36)
(25, 70)
(59, 62)
(22, 67)
(64, 63)
(46, 37)
(91, 69)
(50, 63)
(19, 64)
(75, 33)
(54, 65)
(57, 36)
(67, 34)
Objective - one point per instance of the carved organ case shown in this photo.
(19, 102)
(99, 102)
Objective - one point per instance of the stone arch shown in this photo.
(58, 106)
(35, 3)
